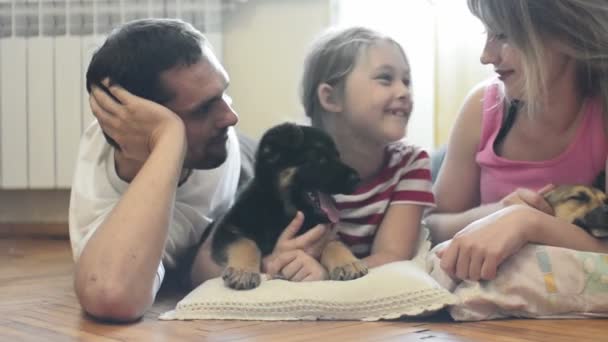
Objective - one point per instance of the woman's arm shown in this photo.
(477, 251)
(549, 230)
(443, 226)
(457, 186)
(523, 196)
(397, 235)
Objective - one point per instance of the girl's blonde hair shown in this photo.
(330, 59)
(579, 26)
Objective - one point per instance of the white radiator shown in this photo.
(45, 48)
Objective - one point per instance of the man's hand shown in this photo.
(136, 124)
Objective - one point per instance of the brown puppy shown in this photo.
(584, 206)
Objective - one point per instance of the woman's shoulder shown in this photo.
(484, 95)
(479, 115)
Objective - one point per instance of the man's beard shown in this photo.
(211, 160)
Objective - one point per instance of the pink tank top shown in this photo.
(579, 163)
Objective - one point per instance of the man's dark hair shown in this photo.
(135, 54)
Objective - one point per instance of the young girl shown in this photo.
(542, 121)
(357, 87)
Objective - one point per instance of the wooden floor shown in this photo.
(37, 304)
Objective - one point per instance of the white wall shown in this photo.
(461, 39)
(264, 46)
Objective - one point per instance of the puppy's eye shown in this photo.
(580, 197)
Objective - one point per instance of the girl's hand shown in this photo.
(311, 242)
(476, 252)
(530, 198)
(136, 124)
(296, 265)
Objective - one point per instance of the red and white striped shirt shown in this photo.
(405, 179)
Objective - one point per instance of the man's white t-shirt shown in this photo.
(96, 189)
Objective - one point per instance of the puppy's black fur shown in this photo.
(296, 168)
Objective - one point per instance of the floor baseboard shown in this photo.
(34, 230)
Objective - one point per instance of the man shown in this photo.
(159, 164)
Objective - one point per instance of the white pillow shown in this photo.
(536, 282)
(398, 289)
(390, 291)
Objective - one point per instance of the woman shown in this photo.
(542, 121)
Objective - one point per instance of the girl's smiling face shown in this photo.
(377, 98)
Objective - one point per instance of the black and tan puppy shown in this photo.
(296, 168)
(584, 206)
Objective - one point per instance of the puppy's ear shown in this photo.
(285, 135)
(329, 98)
(280, 139)
(600, 181)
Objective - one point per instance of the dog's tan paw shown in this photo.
(350, 271)
(240, 279)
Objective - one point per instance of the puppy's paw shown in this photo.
(350, 271)
(240, 279)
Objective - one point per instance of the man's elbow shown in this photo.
(114, 303)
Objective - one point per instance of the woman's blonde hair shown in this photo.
(579, 26)
(330, 59)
